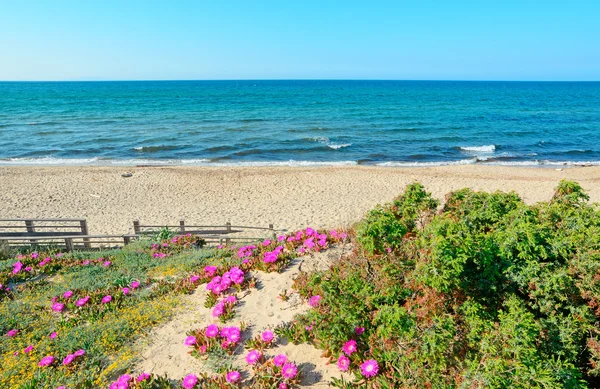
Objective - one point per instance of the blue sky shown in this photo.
(254, 39)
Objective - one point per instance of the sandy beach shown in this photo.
(288, 197)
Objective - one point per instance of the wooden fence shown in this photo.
(43, 229)
(73, 234)
(222, 233)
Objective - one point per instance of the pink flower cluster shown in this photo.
(220, 284)
(225, 337)
(246, 251)
(224, 305)
(126, 381)
(271, 256)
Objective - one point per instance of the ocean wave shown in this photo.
(479, 149)
(338, 146)
(327, 142)
(155, 149)
(424, 164)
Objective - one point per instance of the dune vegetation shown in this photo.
(482, 291)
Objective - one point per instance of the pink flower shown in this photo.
(106, 299)
(212, 331)
(53, 335)
(314, 301)
(28, 349)
(62, 387)
(343, 363)
(343, 236)
(370, 368)
(142, 377)
(280, 360)
(359, 330)
(190, 341)
(210, 271)
(79, 353)
(124, 378)
(253, 356)
(135, 285)
(233, 335)
(34, 255)
(46, 361)
(266, 242)
(267, 336)
(283, 385)
(106, 263)
(349, 347)
(68, 359)
(280, 238)
(67, 294)
(17, 267)
(233, 376)
(388, 249)
(28, 269)
(218, 310)
(289, 370)
(193, 279)
(82, 302)
(12, 333)
(58, 307)
(189, 381)
(86, 262)
(126, 290)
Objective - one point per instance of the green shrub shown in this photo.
(488, 293)
(385, 226)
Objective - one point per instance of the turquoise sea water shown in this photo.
(392, 123)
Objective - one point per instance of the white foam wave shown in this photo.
(479, 149)
(338, 146)
(327, 142)
(417, 164)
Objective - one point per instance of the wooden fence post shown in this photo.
(126, 240)
(136, 227)
(69, 244)
(272, 231)
(84, 231)
(182, 226)
(30, 229)
(228, 229)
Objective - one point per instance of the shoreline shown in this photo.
(202, 162)
(288, 197)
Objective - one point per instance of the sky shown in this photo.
(286, 39)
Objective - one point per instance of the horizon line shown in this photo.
(299, 79)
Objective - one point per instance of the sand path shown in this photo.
(164, 352)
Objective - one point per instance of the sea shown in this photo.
(300, 123)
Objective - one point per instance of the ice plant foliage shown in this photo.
(114, 291)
